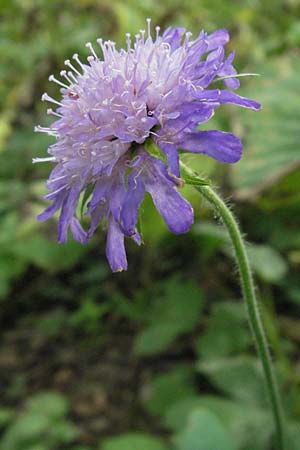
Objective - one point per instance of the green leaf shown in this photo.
(26, 428)
(293, 436)
(48, 403)
(240, 377)
(168, 388)
(154, 150)
(133, 441)
(191, 177)
(267, 263)
(6, 415)
(156, 338)
(227, 331)
(171, 315)
(41, 424)
(250, 426)
(48, 254)
(204, 431)
(85, 197)
(272, 142)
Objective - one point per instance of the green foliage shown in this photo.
(166, 389)
(49, 255)
(293, 436)
(251, 427)
(204, 431)
(265, 260)
(133, 441)
(169, 317)
(89, 315)
(41, 425)
(226, 332)
(273, 137)
(267, 263)
(240, 377)
(6, 415)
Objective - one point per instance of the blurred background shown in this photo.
(159, 357)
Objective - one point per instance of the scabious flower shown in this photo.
(155, 89)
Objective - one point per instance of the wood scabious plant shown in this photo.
(120, 124)
(157, 89)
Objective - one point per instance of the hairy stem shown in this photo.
(252, 306)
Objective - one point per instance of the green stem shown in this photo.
(251, 302)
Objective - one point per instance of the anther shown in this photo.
(100, 43)
(52, 78)
(63, 73)
(128, 41)
(149, 26)
(39, 129)
(188, 34)
(68, 63)
(143, 34)
(71, 75)
(76, 58)
(53, 113)
(90, 47)
(157, 29)
(46, 98)
(38, 160)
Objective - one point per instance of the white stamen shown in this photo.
(76, 58)
(128, 41)
(38, 160)
(54, 180)
(53, 113)
(149, 26)
(157, 29)
(52, 78)
(154, 134)
(71, 75)
(68, 63)
(188, 34)
(63, 73)
(100, 43)
(39, 129)
(90, 47)
(51, 194)
(90, 59)
(47, 98)
(143, 35)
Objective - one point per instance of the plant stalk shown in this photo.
(251, 302)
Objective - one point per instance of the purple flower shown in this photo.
(156, 89)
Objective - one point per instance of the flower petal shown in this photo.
(228, 69)
(224, 147)
(218, 38)
(68, 210)
(130, 209)
(115, 248)
(97, 215)
(173, 158)
(231, 97)
(55, 206)
(173, 36)
(174, 209)
(77, 231)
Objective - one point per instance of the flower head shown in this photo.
(156, 89)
